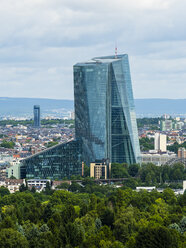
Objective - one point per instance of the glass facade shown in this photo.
(57, 162)
(37, 121)
(105, 122)
(105, 117)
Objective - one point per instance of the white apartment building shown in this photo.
(160, 142)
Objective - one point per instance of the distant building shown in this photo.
(72, 115)
(148, 189)
(3, 173)
(166, 125)
(166, 116)
(14, 170)
(37, 122)
(181, 152)
(184, 186)
(55, 183)
(178, 125)
(100, 170)
(38, 184)
(160, 142)
(177, 118)
(157, 158)
(12, 184)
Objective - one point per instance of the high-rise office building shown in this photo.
(37, 122)
(105, 117)
(105, 122)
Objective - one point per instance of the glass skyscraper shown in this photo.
(57, 162)
(105, 122)
(37, 116)
(105, 116)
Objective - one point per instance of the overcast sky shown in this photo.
(41, 40)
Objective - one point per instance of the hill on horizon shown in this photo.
(12, 106)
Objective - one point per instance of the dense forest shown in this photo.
(149, 174)
(92, 216)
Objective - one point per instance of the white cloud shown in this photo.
(40, 40)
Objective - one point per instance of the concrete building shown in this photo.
(100, 170)
(178, 125)
(157, 158)
(12, 184)
(72, 115)
(14, 170)
(38, 184)
(160, 142)
(181, 152)
(184, 186)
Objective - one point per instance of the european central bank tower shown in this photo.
(105, 118)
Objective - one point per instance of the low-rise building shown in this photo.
(12, 184)
(181, 152)
(157, 158)
(38, 183)
(58, 183)
(100, 170)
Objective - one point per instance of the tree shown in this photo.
(75, 187)
(107, 217)
(177, 172)
(86, 171)
(146, 144)
(169, 196)
(7, 144)
(51, 143)
(12, 177)
(157, 237)
(119, 170)
(33, 190)
(10, 238)
(176, 227)
(75, 234)
(130, 183)
(183, 224)
(48, 190)
(23, 188)
(124, 224)
(133, 170)
(4, 191)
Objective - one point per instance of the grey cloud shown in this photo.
(40, 40)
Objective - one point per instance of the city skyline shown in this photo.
(41, 40)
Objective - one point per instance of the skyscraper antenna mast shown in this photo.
(116, 51)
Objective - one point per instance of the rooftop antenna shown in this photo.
(116, 51)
